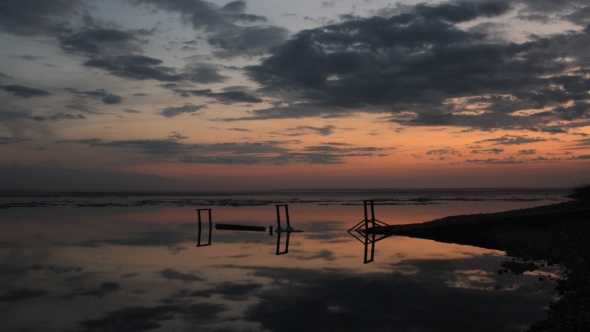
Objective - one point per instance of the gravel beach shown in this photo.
(557, 234)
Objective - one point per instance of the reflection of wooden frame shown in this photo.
(362, 234)
(286, 251)
(210, 228)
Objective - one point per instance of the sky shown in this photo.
(215, 95)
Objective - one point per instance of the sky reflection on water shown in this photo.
(137, 269)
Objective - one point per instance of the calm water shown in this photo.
(136, 268)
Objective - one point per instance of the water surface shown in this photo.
(136, 268)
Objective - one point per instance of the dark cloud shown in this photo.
(301, 130)
(30, 57)
(230, 39)
(247, 40)
(65, 116)
(547, 10)
(294, 111)
(204, 73)
(580, 17)
(443, 152)
(171, 112)
(239, 129)
(155, 147)
(11, 140)
(23, 91)
(494, 151)
(457, 12)
(57, 269)
(416, 64)
(529, 151)
(35, 17)
(171, 274)
(228, 97)
(21, 294)
(100, 41)
(16, 115)
(513, 140)
(82, 106)
(138, 67)
(231, 153)
(510, 160)
(104, 95)
(129, 110)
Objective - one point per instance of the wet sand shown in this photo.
(557, 234)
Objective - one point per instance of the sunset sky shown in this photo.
(261, 94)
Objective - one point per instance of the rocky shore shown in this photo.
(553, 234)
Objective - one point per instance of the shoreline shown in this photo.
(556, 234)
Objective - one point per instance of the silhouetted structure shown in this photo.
(286, 251)
(230, 227)
(210, 228)
(360, 232)
(288, 230)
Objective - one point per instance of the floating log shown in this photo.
(230, 227)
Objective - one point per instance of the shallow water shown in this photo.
(69, 268)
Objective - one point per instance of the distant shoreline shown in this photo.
(41, 198)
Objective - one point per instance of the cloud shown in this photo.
(529, 151)
(154, 147)
(229, 38)
(293, 111)
(100, 41)
(204, 74)
(579, 17)
(247, 40)
(21, 294)
(513, 140)
(239, 129)
(233, 153)
(19, 114)
(11, 140)
(137, 67)
(228, 97)
(171, 274)
(457, 12)
(494, 151)
(426, 71)
(23, 91)
(171, 112)
(35, 17)
(547, 10)
(443, 152)
(304, 130)
(104, 95)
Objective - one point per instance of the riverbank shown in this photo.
(552, 234)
